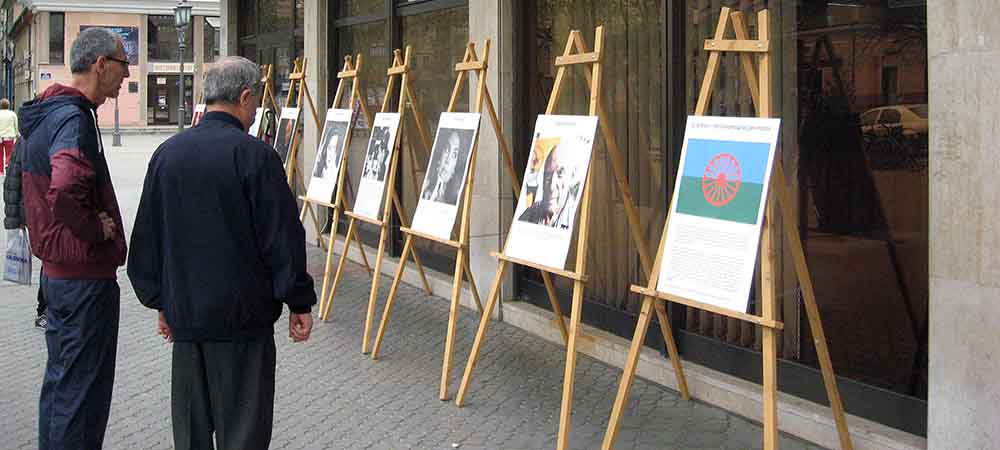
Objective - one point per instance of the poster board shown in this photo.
(381, 145)
(557, 169)
(717, 209)
(447, 171)
(326, 170)
(199, 111)
(287, 124)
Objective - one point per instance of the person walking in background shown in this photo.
(8, 134)
(75, 226)
(217, 247)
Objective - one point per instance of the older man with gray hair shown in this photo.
(217, 248)
(76, 230)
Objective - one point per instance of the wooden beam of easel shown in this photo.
(759, 81)
(297, 84)
(350, 73)
(470, 63)
(593, 74)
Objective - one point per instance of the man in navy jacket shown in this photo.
(217, 248)
(76, 230)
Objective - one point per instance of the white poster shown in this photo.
(717, 210)
(446, 174)
(258, 118)
(325, 172)
(550, 194)
(287, 124)
(382, 143)
(199, 111)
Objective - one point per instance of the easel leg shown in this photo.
(668, 339)
(329, 260)
(416, 259)
(361, 249)
(449, 340)
(340, 271)
(373, 296)
(392, 297)
(770, 385)
(484, 324)
(628, 375)
(566, 409)
(472, 286)
(319, 230)
(556, 309)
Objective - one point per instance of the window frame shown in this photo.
(62, 40)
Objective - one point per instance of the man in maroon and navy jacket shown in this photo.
(76, 230)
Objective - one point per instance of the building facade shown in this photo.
(865, 127)
(42, 32)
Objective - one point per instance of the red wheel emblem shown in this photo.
(721, 180)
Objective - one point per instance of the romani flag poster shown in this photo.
(717, 209)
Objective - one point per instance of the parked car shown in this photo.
(909, 120)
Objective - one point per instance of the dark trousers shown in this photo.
(225, 388)
(82, 341)
(42, 280)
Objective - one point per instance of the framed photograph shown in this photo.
(371, 190)
(717, 210)
(199, 111)
(447, 171)
(550, 193)
(325, 172)
(287, 126)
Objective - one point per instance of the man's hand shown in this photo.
(163, 329)
(108, 226)
(299, 326)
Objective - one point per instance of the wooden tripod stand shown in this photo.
(470, 64)
(591, 65)
(297, 84)
(400, 69)
(351, 72)
(759, 80)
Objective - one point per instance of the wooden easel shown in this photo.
(266, 96)
(350, 73)
(591, 64)
(470, 64)
(759, 80)
(400, 69)
(298, 78)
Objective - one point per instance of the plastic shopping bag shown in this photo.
(17, 263)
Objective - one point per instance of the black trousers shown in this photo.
(82, 342)
(225, 388)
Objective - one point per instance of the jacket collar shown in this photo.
(223, 117)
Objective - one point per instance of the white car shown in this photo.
(911, 120)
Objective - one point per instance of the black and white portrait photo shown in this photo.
(446, 171)
(381, 144)
(377, 157)
(286, 131)
(329, 154)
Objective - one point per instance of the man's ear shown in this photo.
(246, 96)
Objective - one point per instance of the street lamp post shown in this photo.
(182, 17)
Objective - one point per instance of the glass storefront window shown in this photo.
(163, 40)
(276, 15)
(211, 41)
(438, 42)
(347, 8)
